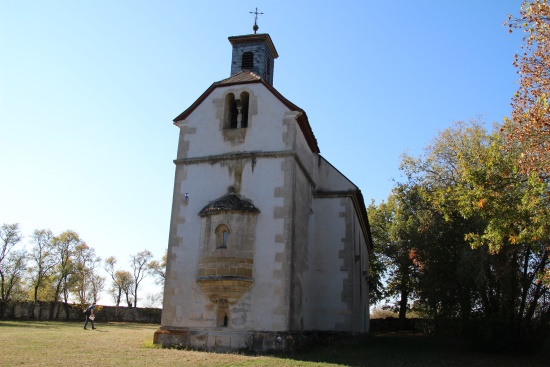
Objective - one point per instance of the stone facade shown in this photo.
(269, 243)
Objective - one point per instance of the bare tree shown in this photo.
(153, 300)
(115, 290)
(121, 281)
(140, 267)
(158, 269)
(97, 282)
(10, 236)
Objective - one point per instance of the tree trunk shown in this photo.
(35, 299)
(403, 308)
(67, 313)
(118, 297)
(3, 298)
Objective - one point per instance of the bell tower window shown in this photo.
(231, 112)
(236, 111)
(268, 67)
(244, 109)
(247, 62)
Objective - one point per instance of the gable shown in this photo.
(247, 77)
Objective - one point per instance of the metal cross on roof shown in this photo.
(255, 27)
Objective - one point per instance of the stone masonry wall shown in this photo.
(41, 311)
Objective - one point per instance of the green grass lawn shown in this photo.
(40, 343)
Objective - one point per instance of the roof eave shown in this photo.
(253, 37)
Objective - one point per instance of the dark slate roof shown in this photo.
(248, 38)
(246, 77)
(229, 202)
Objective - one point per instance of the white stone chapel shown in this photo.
(269, 243)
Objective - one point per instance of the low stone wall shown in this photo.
(72, 312)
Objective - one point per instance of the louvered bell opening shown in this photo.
(248, 61)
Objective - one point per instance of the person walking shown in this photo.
(90, 316)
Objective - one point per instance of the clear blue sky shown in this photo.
(88, 91)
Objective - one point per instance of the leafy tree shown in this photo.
(42, 260)
(124, 278)
(393, 242)
(377, 267)
(516, 211)
(448, 265)
(10, 236)
(14, 272)
(63, 249)
(140, 269)
(529, 125)
(87, 283)
(474, 184)
(46, 291)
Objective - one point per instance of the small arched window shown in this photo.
(222, 320)
(222, 236)
(236, 111)
(247, 62)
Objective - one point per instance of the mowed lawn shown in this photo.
(40, 343)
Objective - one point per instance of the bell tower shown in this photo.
(253, 52)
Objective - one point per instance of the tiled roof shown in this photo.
(242, 77)
(229, 202)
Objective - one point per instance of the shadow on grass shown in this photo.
(411, 350)
(388, 350)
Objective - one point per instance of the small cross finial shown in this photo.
(256, 13)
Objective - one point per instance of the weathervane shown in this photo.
(255, 28)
